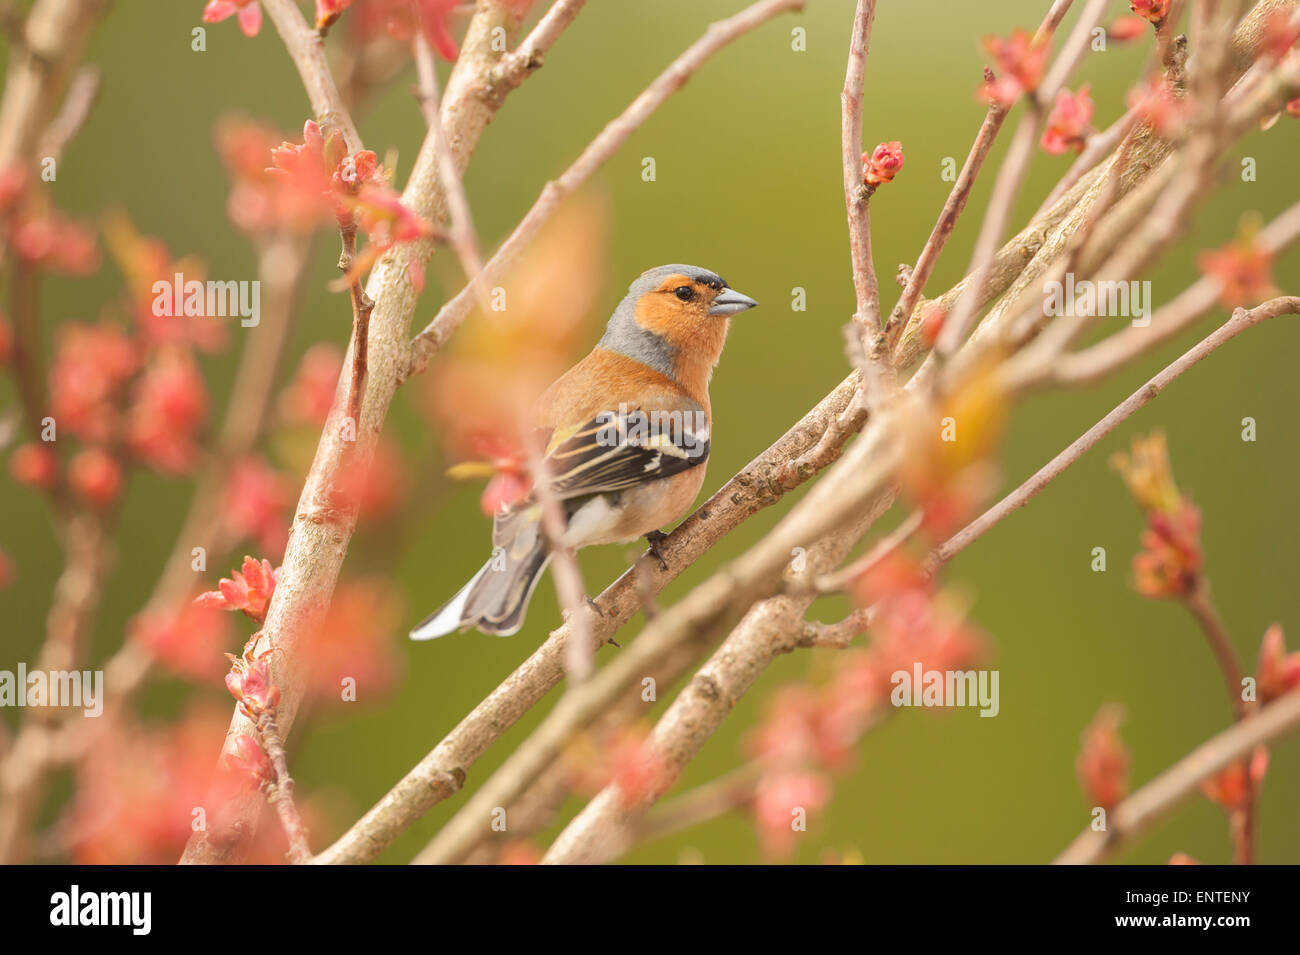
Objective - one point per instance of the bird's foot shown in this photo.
(655, 539)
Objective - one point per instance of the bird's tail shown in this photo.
(495, 599)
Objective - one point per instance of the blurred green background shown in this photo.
(748, 185)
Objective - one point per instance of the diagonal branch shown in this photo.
(1142, 810)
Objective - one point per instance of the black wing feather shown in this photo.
(614, 452)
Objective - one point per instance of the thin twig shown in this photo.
(307, 49)
(1203, 609)
(866, 287)
(77, 103)
(1142, 810)
(461, 234)
(952, 209)
(1239, 322)
(525, 59)
(1011, 175)
(280, 794)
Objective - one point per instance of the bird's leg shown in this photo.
(655, 539)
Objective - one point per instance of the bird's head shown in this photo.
(673, 294)
(672, 312)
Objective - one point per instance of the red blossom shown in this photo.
(244, 147)
(151, 278)
(882, 163)
(506, 488)
(637, 769)
(35, 465)
(188, 640)
(1020, 66)
(403, 18)
(1154, 11)
(328, 11)
(386, 221)
(1126, 28)
(256, 503)
(304, 173)
(318, 181)
(383, 217)
(353, 172)
(169, 403)
(846, 707)
(778, 797)
(932, 317)
(377, 490)
(1070, 122)
(1243, 270)
(249, 682)
(519, 852)
(95, 476)
(1277, 672)
(788, 732)
(1103, 762)
(310, 396)
(248, 590)
(912, 625)
(48, 240)
(1170, 563)
(354, 643)
(1158, 106)
(248, 12)
(138, 787)
(91, 362)
(507, 466)
(1232, 787)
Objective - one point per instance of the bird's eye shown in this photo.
(684, 292)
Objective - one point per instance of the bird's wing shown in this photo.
(619, 450)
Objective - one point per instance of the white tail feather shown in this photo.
(449, 618)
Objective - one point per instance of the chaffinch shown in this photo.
(627, 437)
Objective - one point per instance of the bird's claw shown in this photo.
(655, 539)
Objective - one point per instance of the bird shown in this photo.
(627, 433)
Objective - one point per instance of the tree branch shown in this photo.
(1142, 810)
(321, 531)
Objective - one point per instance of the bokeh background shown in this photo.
(748, 184)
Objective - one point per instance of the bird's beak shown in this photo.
(730, 302)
